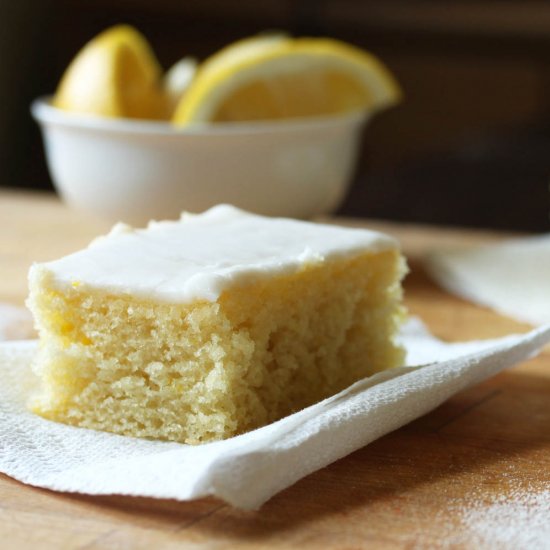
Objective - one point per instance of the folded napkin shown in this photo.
(511, 277)
(247, 470)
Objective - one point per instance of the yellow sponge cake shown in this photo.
(203, 328)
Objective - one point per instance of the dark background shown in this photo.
(469, 146)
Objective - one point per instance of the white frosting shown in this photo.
(200, 256)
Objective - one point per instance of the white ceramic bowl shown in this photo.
(135, 171)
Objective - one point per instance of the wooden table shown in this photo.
(436, 483)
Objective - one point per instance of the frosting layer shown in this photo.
(200, 256)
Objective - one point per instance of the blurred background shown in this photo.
(470, 145)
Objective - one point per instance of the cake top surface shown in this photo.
(199, 256)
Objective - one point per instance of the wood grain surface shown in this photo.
(423, 486)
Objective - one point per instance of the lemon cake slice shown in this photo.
(199, 329)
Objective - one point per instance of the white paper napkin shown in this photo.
(15, 323)
(244, 471)
(512, 277)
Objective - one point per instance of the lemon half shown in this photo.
(115, 75)
(270, 78)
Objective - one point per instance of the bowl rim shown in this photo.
(45, 113)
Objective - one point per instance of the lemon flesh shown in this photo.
(279, 78)
(115, 75)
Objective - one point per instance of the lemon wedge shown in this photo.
(177, 79)
(276, 77)
(115, 75)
